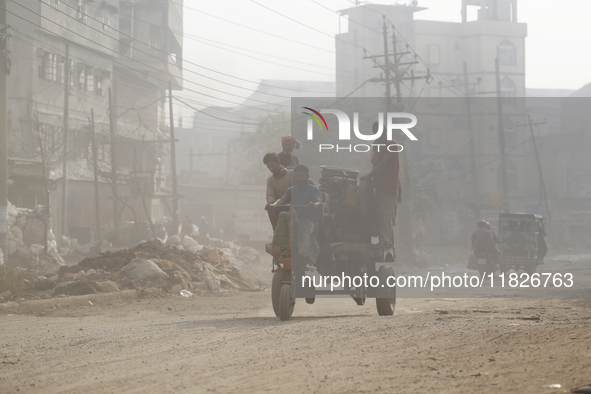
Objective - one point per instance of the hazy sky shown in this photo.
(559, 35)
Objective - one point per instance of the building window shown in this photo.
(61, 69)
(98, 83)
(107, 20)
(82, 13)
(49, 66)
(506, 54)
(72, 73)
(89, 79)
(54, 4)
(434, 55)
(508, 91)
(81, 73)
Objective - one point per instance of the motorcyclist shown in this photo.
(483, 241)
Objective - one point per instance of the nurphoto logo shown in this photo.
(389, 123)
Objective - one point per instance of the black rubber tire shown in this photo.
(386, 303)
(275, 291)
(286, 303)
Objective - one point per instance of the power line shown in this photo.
(307, 45)
(125, 66)
(166, 53)
(153, 56)
(336, 12)
(266, 61)
(303, 24)
(186, 35)
(117, 62)
(200, 39)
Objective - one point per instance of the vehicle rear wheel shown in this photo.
(386, 301)
(286, 303)
(275, 291)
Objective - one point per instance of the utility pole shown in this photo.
(63, 226)
(387, 67)
(397, 73)
(542, 184)
(112, 126)
(3, 131)
(175, 201)
(475, 198)
(96, 185)
(501, 130)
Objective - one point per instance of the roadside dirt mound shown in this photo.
(114, 261)
(203, 269)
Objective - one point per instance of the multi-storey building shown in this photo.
(91, 50)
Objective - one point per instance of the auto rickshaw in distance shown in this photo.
(522, 241)
(344, 237)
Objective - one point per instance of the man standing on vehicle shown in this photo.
(288, 160)
(388, 191)
(307, 198)
(277, 184)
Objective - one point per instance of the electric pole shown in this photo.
(542, 184)
(96, 186)
(65, 142)
(397, 73)
(501, 130)
(175, 201)
(474, 182)
(387, 66)
(112, 127)
(3, 131)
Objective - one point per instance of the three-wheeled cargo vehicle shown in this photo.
(344, 234)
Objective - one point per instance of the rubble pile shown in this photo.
(26, 229)
(174, 266)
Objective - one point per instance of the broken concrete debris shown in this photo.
(180, 265)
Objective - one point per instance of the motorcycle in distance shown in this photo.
(486, 258)
(484, 262)
(521, 245)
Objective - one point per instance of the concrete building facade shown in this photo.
(96, 60)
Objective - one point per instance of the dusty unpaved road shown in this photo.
(234, 344)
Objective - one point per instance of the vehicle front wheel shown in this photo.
(276, 290)
(286, 303)
(386, 296)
